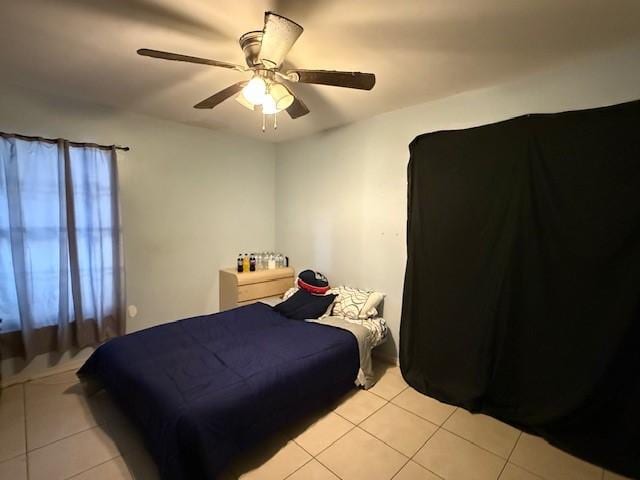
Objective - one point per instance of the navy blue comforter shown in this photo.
(203, 389)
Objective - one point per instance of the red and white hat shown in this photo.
(313, 282)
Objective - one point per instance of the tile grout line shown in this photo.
(325, 448)
(24, 396)
(8, 459)
(120, 454)
(514, 446)
(441, 426)
(36, 378)
(315, 457)
(328, 446)
(355, 425)
(421, 447)
(393, 396)
(376, 410)
(424, 418)
(63, 438)
(410, 459)
(391, 446)
(427, 441)
(382, 441)
(96, 466)
(509, 456)
(403, 465)
(480, 446)
(328, 468)
(301, 466)
(535, 474)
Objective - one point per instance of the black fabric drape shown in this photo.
(522, 287)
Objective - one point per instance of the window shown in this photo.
(59, 234)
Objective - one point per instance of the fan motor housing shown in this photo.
(250, 43)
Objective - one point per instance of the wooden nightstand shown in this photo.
(243, 288)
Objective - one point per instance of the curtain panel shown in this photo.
(61, 261)
(522, 286)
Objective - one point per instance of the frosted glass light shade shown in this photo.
(255, 90)
(244, 102)
(269, 105)
(278, 98)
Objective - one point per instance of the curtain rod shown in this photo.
(56, 140)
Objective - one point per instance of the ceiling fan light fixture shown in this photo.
(250, 43)
(255, 91)
(279, 98)
(244, 102)
(269, 105)
(265, 51)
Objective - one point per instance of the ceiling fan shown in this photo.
(265, 51)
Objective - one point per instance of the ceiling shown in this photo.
(419, 50)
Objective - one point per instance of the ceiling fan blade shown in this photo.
(221, 96)
(279, 35)
(297, 108)
(186, 58)
(361, 81)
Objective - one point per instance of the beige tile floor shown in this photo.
(49, 430)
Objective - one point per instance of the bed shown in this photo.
(205, 388)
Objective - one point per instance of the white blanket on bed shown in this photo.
(367, 340)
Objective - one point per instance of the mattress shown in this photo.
(203, 389)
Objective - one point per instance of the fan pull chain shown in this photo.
(263, 123)
(275, 121)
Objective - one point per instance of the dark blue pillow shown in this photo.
(302, 305)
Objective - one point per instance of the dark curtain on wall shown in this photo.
(522, 288)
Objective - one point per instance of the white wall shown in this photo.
(341, 194)
(191, 199)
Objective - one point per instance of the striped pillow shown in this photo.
(355, 303)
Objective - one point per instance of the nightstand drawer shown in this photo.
(264, 289)
(243, 288)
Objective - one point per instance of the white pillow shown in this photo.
(289, 292)
(355, 303)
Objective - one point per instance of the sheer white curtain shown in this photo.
(60, 249)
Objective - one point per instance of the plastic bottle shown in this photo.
(272, 261)
(239, 263)
(252, 262)
(245, 263)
